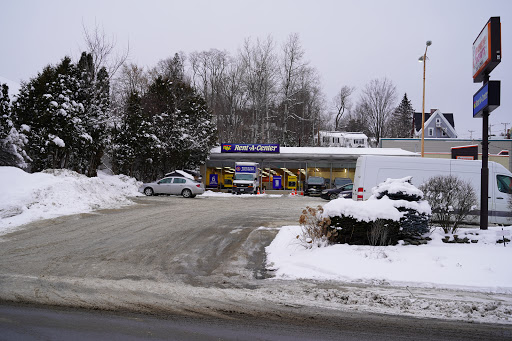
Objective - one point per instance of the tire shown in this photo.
(186, 193)
(149, 191)
(333, 196)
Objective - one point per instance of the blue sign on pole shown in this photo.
(214, 180)
(276, 182)
(487, 98)
(481, 100)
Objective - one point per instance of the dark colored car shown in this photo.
(338, 182)
(314, 185)
(344, 191)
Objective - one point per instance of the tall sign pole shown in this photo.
(486, 56)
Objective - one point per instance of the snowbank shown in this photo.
(482, 266)
(28, 197)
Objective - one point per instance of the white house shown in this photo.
(341, 139)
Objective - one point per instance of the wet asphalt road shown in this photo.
(192, 267)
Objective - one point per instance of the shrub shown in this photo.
(451, 199)
(409, 201)
(395, 211)
(352, 231)
(315, 228)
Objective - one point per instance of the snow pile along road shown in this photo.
(28, 197)
(481, 265)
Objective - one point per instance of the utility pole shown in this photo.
(505, 124)
(471, 134)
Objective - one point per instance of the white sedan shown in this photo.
(173, 185)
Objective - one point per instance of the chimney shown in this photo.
(433, 111)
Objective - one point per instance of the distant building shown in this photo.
(341, 139)
(437, 125)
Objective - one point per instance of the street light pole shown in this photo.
(424, 60)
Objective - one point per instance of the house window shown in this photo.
(443, 133)
(359, 141)
(430, 131)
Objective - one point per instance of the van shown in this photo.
(372, 170)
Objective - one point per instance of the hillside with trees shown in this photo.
(147, 121)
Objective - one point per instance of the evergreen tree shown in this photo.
(134, 144)
(65, 109)
(11, 141)
(5, 111)
(400, 124)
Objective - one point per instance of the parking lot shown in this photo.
(205, 241)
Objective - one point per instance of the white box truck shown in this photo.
(247, 178)
(372, 170)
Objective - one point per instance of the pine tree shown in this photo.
(400, 124)
(5, 111)
(11, 141)
(65, 109)
(169, 127)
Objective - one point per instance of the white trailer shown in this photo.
(372, 170)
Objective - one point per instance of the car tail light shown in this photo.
(198, 185)
(360, 196)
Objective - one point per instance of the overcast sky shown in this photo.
(348, 42)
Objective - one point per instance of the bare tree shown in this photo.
(377, 103)
(132, 78)
(209, 70)
(451, 199)
(171, 68)
(260, 82)
(292, 68)
(235, 98)
(341, 102)
(102, 50)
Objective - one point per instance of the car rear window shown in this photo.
(315, 180)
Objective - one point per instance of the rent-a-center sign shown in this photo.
(487, 49)
(249, 148)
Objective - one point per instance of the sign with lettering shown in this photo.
(487, 49)
(249, 148)
(487, 98)
(245, 169)
(214, 179)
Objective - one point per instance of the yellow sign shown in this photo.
(292, 182)
(228, 180)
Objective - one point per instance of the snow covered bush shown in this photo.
(394, 211)
(451, 199)
(415, 221)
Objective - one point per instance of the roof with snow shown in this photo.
(310, 153)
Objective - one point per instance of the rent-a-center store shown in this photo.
(286, 168)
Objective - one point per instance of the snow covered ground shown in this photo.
(482, 266)
(28, 197)
(401, 279)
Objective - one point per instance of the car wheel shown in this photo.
(148, 191)
(186, 193)
(333, 196)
